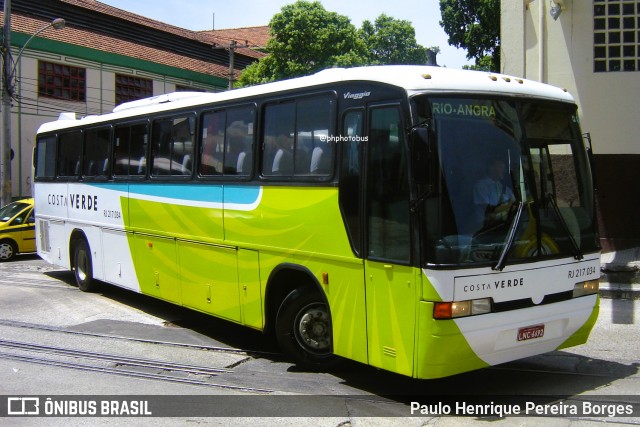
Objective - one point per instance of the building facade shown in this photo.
(102, 57)
(591, 48)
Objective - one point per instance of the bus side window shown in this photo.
(211, 150)
(314, 149)
(46, 157)
(96, 153)
(69, 151)
(238, 152)
(278, 139)
(172, 146)
(296, 139)
(130, 148)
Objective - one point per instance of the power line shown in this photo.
(231, 48)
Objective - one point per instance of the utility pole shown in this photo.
(5, 151)
(231, 48)
(8, 73)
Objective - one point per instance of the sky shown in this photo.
(204, 14)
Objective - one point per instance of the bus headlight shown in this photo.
(586, 288)
(453, 309)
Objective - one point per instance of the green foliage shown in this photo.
(256, 73)
(391, 41)
(475, 26)
(482, 64)
(306, 38)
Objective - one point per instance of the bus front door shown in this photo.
(390, 280)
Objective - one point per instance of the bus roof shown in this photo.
(412, 78)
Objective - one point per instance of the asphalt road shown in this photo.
(58, 341)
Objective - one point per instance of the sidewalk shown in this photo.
(620, 274)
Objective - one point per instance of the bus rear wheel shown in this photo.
(83, 267)
(303, 330)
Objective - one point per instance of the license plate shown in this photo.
(530, 332)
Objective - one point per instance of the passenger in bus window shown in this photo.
(212, 144)
(283, 159)
(237, 150)
(320, 158)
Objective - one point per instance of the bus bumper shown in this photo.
(449, 347)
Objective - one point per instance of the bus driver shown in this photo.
(491, 197)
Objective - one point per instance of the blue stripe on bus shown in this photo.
(237, 194)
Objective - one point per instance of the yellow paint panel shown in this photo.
(209, 276)
(391, 316)
(156, 267)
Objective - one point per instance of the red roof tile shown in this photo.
(86, 38)
(256, 36)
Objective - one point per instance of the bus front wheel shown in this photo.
(303, 330)
(83, 267)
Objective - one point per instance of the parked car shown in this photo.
(17, 229)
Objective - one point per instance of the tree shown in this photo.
(475, 26)
(306, 38)
(482, 64)
(392, 41)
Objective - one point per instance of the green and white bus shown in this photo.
(348, 213)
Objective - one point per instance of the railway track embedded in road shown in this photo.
(120, 365)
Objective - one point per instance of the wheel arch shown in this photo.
(76, 234)
(283, 280)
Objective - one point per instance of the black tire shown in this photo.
(8, 250)
(83, 267)
(303, 331)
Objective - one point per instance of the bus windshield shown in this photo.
(511, 184)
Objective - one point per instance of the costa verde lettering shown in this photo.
(494, 285)
(467, 110)
(84, 202)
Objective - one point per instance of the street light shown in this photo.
(8, 74)
(57, 24)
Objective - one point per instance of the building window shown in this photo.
(61, 81)
(129, 88)
(616, 36)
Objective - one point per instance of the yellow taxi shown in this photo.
(17, 229)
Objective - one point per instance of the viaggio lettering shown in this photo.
(358, 95)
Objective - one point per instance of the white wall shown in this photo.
(608, 101)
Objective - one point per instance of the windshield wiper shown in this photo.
(511, 236)
(577, 253)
